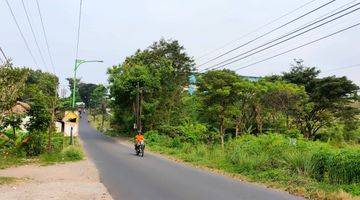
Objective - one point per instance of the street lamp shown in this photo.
(78, 62)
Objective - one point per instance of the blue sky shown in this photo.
(112, 30)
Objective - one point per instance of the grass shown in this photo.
(7, 180)
(274, 161)
(67, 153)
(96, 123)
(11, 161)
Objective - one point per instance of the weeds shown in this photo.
(312, 169)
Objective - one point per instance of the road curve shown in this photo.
(128, 177)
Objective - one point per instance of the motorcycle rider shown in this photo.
(138, 139)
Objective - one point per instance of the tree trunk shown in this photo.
(102, 122)
(222, 133)
(14, 131)
(52, 123)
(237, 130)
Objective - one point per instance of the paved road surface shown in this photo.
(128, 177)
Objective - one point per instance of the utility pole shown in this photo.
(138, 108)
(53, 121)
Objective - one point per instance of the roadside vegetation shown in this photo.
(28, 109)
(294, 131)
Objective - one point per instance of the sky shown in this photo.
(112, 29)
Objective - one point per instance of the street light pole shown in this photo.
(78, 62)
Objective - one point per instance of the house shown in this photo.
(21, 109)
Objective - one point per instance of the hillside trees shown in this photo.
(329, 97)
(225, 103)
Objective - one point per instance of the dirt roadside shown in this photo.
(76, 181)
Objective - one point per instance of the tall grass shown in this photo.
(273, 158)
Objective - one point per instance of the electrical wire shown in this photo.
(255, 30)
(21, 33)
(33, 34)
(312, 22)
(78, 32)
(267, 33)
(226, 62)
(301, 46)
(45, 37)
(340, 68)
(3, 53)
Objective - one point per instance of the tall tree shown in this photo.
(328, 97)
(12, 85)
(85, 91)
(98, 102)
(219, 93)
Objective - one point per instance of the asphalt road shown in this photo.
(128, 177)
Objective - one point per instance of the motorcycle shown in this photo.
(140, 148)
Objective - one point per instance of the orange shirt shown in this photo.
(139, 138)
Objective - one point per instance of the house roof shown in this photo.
(19, 108)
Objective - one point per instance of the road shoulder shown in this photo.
(76, 180)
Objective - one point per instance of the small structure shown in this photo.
(70, 123)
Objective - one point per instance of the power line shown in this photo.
(255, 30)
(2, 52)
(21, 33)
(33, 33)
(78, 32)
(45, 36)
(310, 36)
(224, 63)
(267, 33)
(301, 46)
(340, 68)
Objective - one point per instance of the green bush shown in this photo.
(175, 143)
(344, 168)
(72, 153)
(320, 162)
(297, 161)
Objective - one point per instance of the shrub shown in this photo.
(156, 137)
(297, 161)
(345, 167)
(175, 143)
(73, 153)
(57, 142)
(34, 143)
(320, 164)
(293, 133)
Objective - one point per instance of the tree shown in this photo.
(71, 87)
(12, 84)
(98, 102)
(40, 115)
(14, 121)
(162, 71)
(281, 98)
(328, 97)
(85, 91)
(219, 93)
